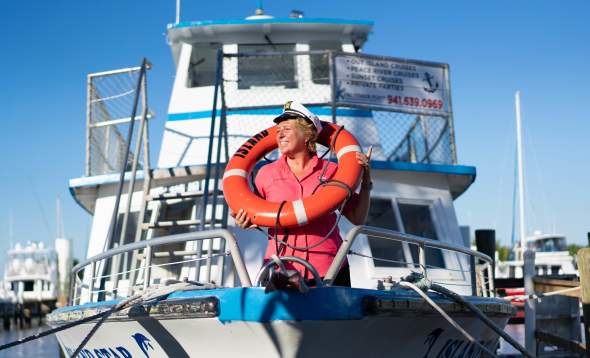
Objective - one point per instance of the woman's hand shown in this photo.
(243, 220)
(364, 160)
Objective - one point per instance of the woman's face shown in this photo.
(290, 137)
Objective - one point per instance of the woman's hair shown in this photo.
(310, 133)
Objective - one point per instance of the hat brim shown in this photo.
(287, 116)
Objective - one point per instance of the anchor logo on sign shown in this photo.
(428, 79)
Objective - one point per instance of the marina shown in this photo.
(172, 268)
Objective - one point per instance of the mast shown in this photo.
(10, 227)
(520, 174)
(59, 225)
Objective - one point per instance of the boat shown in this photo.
(172, 276)
(31, 277)
(552, 258)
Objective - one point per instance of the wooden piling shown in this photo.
(584, 269)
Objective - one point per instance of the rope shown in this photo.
(450, 294)
(118, 307)
(538, 296)
(53, 330)
(151, 296)
(409, 285)
(307, 247)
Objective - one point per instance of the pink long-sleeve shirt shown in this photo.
(276, 182)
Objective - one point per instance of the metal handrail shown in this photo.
(234, 251)
(395, 235)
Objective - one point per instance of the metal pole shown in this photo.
(473, 278)
(211, 135)
(520, 174)
(422, 259)
(138, 145)
(89, 95)
(147, 268)
(113, 227)
(332, 74)
(450, 116)
(177, 11)
(92, 273)
(530, 304)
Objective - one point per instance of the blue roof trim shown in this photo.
(75, 197)
(274, 111)
(421, 167)
(279, 20)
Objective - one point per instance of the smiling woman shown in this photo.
(296, 175)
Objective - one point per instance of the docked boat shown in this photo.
(552, 258)
(173, 276)
(31, 276)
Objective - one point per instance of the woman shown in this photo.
(295, 175)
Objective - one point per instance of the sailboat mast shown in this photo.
(520, 174)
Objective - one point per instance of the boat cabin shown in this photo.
(240, 73)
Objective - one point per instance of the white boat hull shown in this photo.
(402, 327)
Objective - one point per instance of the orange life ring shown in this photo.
(299, 212)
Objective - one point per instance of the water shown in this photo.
(46, 347)
(515, 331)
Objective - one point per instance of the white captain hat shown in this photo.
(294, 109)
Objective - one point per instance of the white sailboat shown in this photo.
(180, 246)
(552, 257)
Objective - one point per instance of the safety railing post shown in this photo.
(472, 274)
(147, 268)
(491, 286)
(91, 286)
(72, 295)
(422, 258)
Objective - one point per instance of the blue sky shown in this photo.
(494, 48)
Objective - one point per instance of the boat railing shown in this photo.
(92, 286)
(480, 272)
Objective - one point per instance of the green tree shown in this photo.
(573, 249)
(503, 252)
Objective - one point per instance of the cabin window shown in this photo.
(417, 220)
(266, 71)
(202, 67)
(29, 286)
(320, 63)
(386, 253)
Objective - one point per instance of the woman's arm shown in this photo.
(357, 214)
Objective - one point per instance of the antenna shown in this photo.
(259, 8)
(177, 11)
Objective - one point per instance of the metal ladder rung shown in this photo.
(169, 196)
(174, 223)
(180, 253)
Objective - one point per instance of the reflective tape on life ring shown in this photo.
(348, 149)
(325, 200)
(236, 172)
(300, 214)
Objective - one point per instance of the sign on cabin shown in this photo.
(406, 86)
